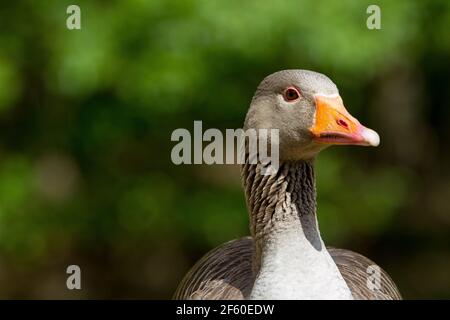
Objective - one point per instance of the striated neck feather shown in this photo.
(290, 259)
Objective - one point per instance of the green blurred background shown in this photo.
(86, 117)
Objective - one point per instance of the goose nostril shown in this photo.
(342, 123)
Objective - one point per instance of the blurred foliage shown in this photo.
(86, 117)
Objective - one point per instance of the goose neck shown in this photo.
(282, 202)
(290, 259)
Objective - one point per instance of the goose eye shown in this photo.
(291, 94)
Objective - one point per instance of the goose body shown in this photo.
(225, 273)
(285, 257)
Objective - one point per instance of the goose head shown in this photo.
(306, 108)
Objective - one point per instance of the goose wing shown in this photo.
(225, 273)
(365, 279)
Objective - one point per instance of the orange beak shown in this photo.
(334, 125)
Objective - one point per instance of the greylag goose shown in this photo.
(285, 257)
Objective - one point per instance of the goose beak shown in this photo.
(334, 125)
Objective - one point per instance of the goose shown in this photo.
(285, 256)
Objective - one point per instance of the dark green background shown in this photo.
(86, 118)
